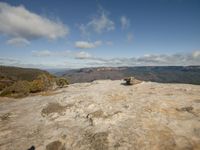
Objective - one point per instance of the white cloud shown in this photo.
(125, 22)
(18, 41)
(100, 23)
(20, 24)
(83, 55)
(85, 44)
(196, 54)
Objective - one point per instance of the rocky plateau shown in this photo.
(104, 115)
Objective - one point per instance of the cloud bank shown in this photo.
(21, 25)
(181, 59)
(87, 60)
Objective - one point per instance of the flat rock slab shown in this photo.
(104, 115)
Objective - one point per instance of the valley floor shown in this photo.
(104, 115)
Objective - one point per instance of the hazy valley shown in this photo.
(161, 74)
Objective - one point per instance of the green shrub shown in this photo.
(46, 79)
(18, 89)
(5, 82)
(42, 83)
(61, 82)
(37, 86)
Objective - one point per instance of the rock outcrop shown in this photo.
(104, 115)
(131, 81)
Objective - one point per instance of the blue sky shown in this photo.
(77, 33)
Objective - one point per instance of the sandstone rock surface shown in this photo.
(104, 115)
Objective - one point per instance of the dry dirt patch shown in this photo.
(55, 145)
(97, 141)
(54, 108)
(197, 101)
(5, 116)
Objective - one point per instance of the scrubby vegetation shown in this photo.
(18, 89)
(2, 86)
(5, 82)
(22, 88)
(61, 82)
(42, 83)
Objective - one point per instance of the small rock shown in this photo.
(131, 81)
(32, 148)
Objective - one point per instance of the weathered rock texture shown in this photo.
(104, 115)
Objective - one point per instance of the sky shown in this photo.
(93, 33)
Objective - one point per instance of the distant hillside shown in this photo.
(9, 75)
(16, 73)
(168, 74)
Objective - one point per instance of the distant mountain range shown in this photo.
(162, 74)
